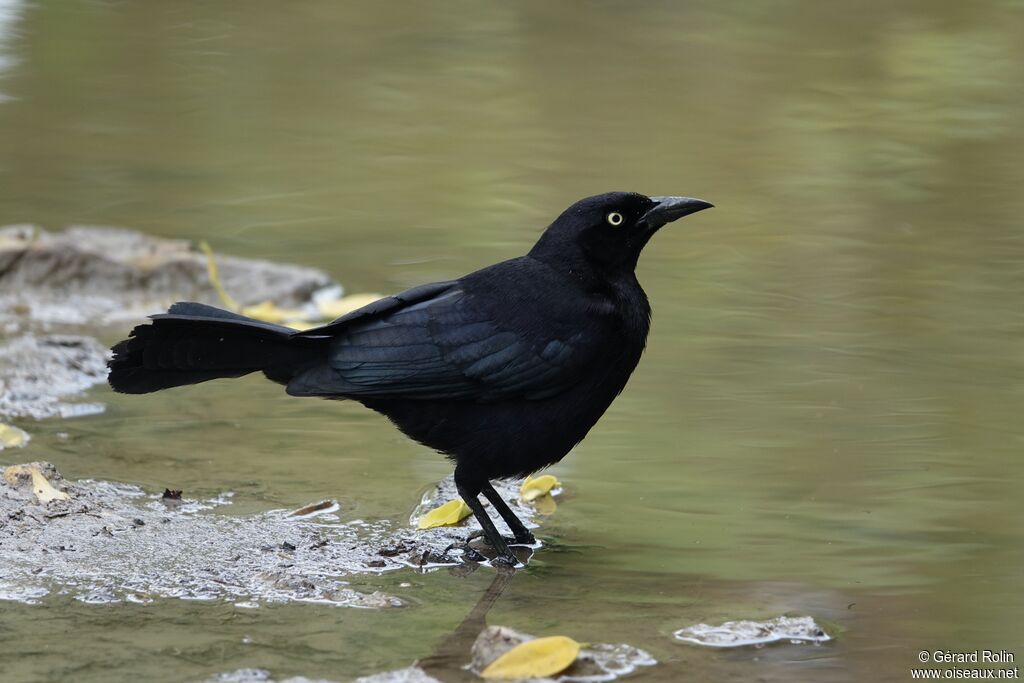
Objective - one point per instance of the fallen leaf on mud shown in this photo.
(269, 312)
(533, 489)
(12, 437)
(534, 659)
(41, 486)
(452, 512)
(211, 270)
(330, 310)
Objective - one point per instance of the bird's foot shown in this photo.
(506, 562)
(470, 553)
(526, 539)
(504, 557)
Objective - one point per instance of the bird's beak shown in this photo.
(668, 209)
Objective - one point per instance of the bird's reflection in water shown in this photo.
(449, 658)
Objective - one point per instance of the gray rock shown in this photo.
(743, 633)
(410, 674)
(258, 676)
(602, 662)
(38, 374)
(95, 275)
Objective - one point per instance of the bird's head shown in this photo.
(609, 230)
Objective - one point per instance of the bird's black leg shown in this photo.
(470, 488)
(519, 530)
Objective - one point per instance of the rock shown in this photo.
(95, 275)
(38, 372)
(742, 633)
(258, 676)
(39, 479)
(493, 642)
(595, 662)
(411, 674)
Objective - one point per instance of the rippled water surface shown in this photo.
(828, 419)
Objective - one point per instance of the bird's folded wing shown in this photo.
(443, 347)
(379, 308)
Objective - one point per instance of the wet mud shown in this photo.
(109, 542)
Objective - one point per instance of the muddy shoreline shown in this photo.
(108, 541)
(104, 542)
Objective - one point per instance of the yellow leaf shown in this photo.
(535, 488)
(346, 304)
(452, 512)
(41, 486)
(12, 437)
(534, 659)
(214, 275)
(269, 312)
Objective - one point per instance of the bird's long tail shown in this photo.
(193, 343)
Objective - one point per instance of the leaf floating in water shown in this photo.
(336, 308)
(214, 275)
(532, 488)
(12, 437)
(534, 658)
(41, 486)
(452, 512)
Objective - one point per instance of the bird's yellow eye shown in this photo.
(615, 218)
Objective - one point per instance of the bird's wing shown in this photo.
(378, 308)
(443, 346)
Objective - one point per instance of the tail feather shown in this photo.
(194, 343)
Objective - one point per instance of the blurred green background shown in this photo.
(828, 417)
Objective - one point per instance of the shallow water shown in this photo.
(828, 417)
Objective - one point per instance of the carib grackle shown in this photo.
(504, 370)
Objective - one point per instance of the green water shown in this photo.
(828, 419)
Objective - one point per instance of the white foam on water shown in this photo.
(743, 633)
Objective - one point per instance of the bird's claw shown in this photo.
(468, 552)
(505, 562)
(472, 554)
(527, 539)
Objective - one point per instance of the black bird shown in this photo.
(503, 370)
